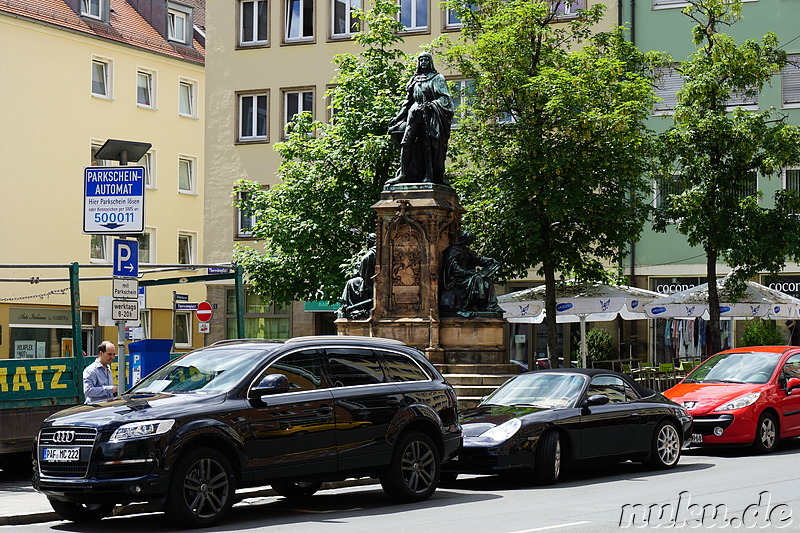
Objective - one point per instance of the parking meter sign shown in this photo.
(113, 201)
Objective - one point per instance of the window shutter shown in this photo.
(667, 88)
(790, 80)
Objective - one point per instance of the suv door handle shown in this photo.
(325, 409)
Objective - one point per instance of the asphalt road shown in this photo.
(761, 491)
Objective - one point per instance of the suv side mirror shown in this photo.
(595, 399)
(792, 384)
(270, 384)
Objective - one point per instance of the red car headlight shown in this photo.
(737, 403)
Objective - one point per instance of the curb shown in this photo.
(140, 508)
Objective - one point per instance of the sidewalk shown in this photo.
(20, 504)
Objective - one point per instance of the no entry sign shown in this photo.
(204, 312)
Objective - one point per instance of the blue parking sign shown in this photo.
(126, 258)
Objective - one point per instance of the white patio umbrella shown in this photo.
(578, 302)
(757, 301)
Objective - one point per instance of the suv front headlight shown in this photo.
(738, 403)
(141, 430)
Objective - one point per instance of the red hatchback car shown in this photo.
(744, 396)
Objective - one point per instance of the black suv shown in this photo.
(238, 414)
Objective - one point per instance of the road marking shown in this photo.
(552, 527)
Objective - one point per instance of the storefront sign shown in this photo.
(670, 286)
(788, 284)
(29, 317)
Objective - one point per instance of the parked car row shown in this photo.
(298, 413)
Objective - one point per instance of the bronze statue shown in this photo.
(422, 126)
(357, 297)
(466, 287)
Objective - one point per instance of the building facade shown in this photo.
(664, 262)
(76, 74)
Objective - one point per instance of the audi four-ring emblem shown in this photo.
(64, 436)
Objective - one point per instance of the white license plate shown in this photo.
(61, 454)
(697, 438)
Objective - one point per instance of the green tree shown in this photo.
(313, 222)
(760, 332)
(599, 345)
(550, 152)
(712, 155)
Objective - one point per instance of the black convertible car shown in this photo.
(539, 421)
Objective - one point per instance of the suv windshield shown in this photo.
(542, 390)
(207, 371)
(749, 367)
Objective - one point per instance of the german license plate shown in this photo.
(697, 438)
(61, 455)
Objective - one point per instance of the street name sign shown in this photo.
(126, 288)
(124, 310)
(113, 200)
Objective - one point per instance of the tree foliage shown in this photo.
(760, 332)
(550, 156)
(712, 154)
(313, 222)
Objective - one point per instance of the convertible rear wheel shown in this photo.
(766, 434)
(298, 489)
(547, 466)
(666, 446)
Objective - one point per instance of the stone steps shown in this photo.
(474, 381)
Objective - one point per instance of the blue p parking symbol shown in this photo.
(126, 258)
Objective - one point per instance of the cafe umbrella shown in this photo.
(579, 302)
(756, 301)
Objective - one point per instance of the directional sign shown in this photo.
(126, 288)
(124, 310)
(185, 306)
(204, 312)
(113, 200)
(126, 258)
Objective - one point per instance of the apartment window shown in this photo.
(187, 97)
(742, 99)
(414, 14)
(185, 249)
(295, 102)
(669, 3)
(179, 23)
(462, 91)
(253, 116)
(568, 8)
(183, 329)
(790, 82)
(299, 20)
(145, 92)
(146, 248)
(262, 319)
(791, 179)
(667, 86)
(96, 9)
(245, 219)
(98, 248)
(101, 77)
(95, 162)
(186, 175)
(148, 162)
(344, 21)
(144, 322)
(253, 23)
(665, 188)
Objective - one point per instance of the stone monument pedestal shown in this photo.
(415, 224)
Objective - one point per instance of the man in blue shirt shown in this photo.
(98, 383)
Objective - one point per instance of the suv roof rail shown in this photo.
(348, 337)
(238, 341)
